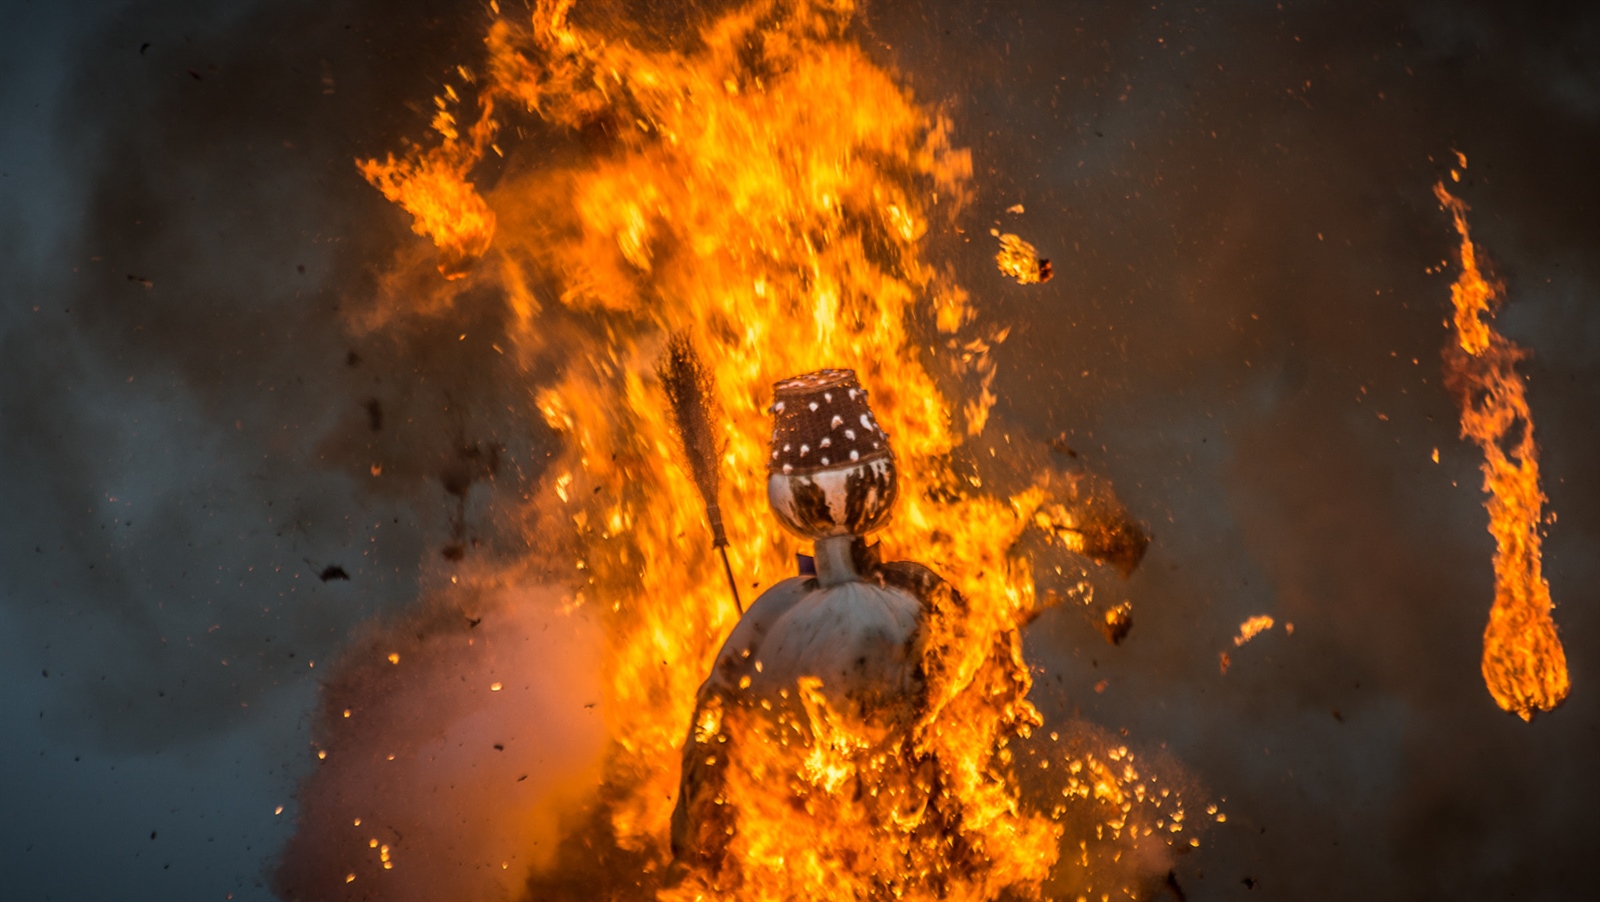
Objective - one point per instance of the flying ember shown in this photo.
(1019, 260)
(1524, 664)
(1252, 627)
(757, 188)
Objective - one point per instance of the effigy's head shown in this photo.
(831, 472)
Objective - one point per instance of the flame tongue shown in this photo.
(1524, 664)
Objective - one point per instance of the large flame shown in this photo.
(760, 185)
(1524, 664)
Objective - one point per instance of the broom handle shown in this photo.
(719, 541)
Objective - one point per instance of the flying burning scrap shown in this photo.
(1019, 260)
(758, 185)
(1524, 664)
(1117, 622)
(1251, 628)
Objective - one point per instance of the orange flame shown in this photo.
(432, 186)
(764, 187)
(1524, 664)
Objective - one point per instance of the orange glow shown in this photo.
(764, 188)
(1524, 664)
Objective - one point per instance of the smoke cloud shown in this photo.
(454, 741)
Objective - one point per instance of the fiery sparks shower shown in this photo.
(758, 186)
(1524, 664)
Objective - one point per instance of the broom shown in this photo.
(689, 391)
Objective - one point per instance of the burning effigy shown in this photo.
(755, 187)
(819, 699)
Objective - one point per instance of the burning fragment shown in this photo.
(1019, 260)
(1087, 519)
(1117, 623)
(1251, 628)
(1524, 664)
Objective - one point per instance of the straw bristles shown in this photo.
(690, 392)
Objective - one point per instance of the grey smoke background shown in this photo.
(1236, 202)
